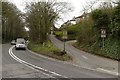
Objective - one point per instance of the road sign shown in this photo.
(65, 34)
(103, 33)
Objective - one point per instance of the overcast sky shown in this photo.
(77, 4)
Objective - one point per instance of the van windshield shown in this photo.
(21, 41)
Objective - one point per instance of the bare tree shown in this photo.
(89, 5)
(41, 16)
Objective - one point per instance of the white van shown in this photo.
(20, 44)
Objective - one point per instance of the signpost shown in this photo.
(51, 30)
(64, 37)
(103, 35)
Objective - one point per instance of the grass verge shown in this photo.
(48, 49)
(109, 51)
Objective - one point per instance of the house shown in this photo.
(75, 20)
(79, 18)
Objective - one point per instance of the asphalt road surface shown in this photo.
(27, 64)
(87, 60)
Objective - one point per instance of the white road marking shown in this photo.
(17, 59)
(40, 71)
(84, 57)
(31, 65)
(114, 73)
(88, 68)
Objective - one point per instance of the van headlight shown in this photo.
(24, 46)
(17, 45)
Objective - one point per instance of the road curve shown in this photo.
(87, 60)
(53, 68)
(13, 69)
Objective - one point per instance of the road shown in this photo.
(27, 64)
(13, 69)
(87, 60)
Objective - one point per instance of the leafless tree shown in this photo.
(41, 16)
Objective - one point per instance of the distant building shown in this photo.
(75, 20)
(79, 18)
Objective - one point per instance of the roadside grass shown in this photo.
(109, 51)
(48, 49)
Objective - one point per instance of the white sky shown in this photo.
(77, 4)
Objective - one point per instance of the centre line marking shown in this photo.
(84, 57)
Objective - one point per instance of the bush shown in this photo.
(72, 31)
(111, 48)
(89, 38)
(86, 34)
(59, 34)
